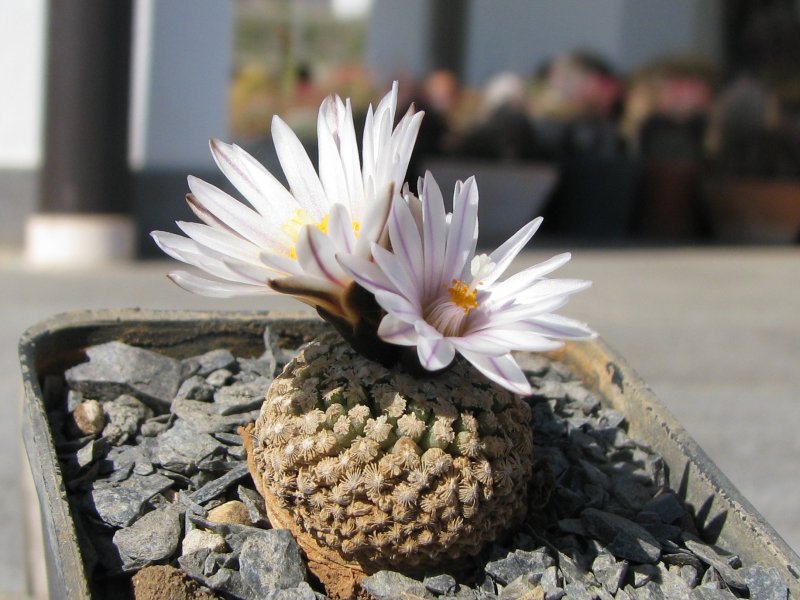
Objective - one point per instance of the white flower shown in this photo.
(289, 242)
(442, 298)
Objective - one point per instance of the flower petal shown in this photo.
(434, 233)
(215, 289)
(397, 331)
(560, 327)
(503, 370)
(524, 279)
(317, 256)
(434, 352)
(368, 274)
(406, 242)
(462, 231)
(331, 171)
(303, 180)
(261, 189)
(340, 229)
(397, 274)
(235, 216)
(505, 254)
(397, 305)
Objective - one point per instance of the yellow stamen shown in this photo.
(300, 218)
(463, 296)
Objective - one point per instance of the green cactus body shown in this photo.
(391, 470)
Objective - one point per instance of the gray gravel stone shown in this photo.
(517, 563)
(551, 584)
(271, 560)
(152, 538)
(609, 572)
(390, 585)
(704, 593)
(219, 378)
(712, 557)
(196, 388)
(115, 368)
(667, 506)
(242, 397)
(213, 360)
(123, 416)
(441, 584)
(522, 586)
(254, 504)
(217, 486)
(625, 539)
(120, 505)
(204, 417)
(300, 592)
(765, 583)
(181, 449)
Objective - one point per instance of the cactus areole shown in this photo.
(377, 469)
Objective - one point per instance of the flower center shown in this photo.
(463, 296)
(301, 218)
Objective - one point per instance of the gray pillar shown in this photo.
(85, 188)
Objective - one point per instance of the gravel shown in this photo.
(607, 524)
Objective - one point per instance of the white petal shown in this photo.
(503, 370)
(434, 233)
(505, 316)
(497, 342)
(223, 242)
(234, 215)
(348, 149)
(340, 229)
(331, 171)
(505, 254)
(397, 331)
(317, 256)
(280, 263)
(560, 327)
(366, 273)
(462, 232)
(397, 305)
(303, 181)
(215, 289)
(397, 273)
(254, 182)
(406, 243)
(373, 224)
(524, 279)
(552, 287)
(435, 352)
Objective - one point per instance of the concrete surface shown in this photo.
(714, 331)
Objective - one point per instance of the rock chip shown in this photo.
(123, 416)
(87, 419)
(242, 397)
(713, 558)
(181, 449)
(765, 583)
(196, 388)
(625, 539)
(152, 538)
(441, 584)
(204, 417)
(271, 560)
(609, 572)
(390, 585)
(198, 539)
(233, 511)
(116, 368)
(212, 361)
(667, 506)
(217, 486)
(120, 505)
(518, 563)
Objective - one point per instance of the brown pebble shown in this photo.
(231, 512)
(163, 582)
(87, 419)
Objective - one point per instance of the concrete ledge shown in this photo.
(65, 240)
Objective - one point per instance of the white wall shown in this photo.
(182, 63)
(22, 46)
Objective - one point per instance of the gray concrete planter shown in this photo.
(47, 349)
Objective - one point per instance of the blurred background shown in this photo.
(659, 139)
(622, 121)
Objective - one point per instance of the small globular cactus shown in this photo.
(386, 469)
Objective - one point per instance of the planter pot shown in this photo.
(754, 210)
(721, 514)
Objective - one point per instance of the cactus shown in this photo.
(386, 469)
